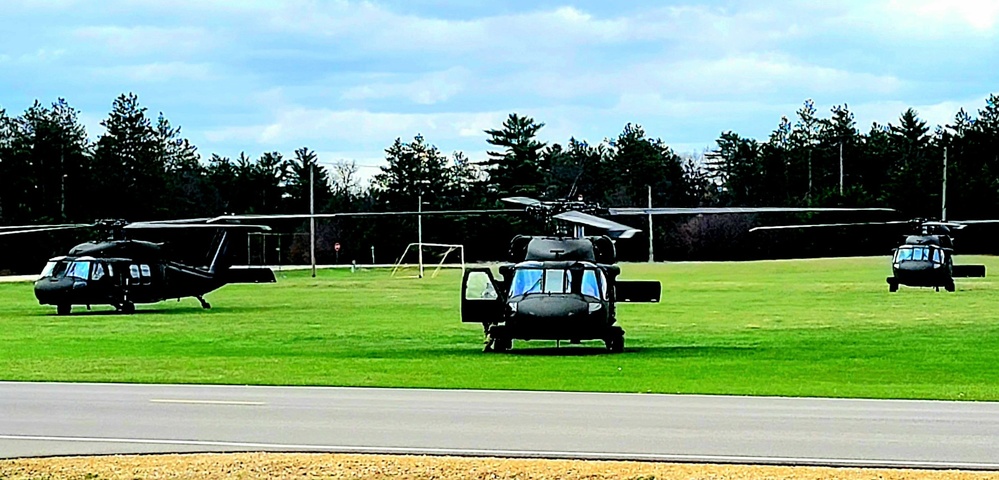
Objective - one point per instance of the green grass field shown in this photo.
(824, 327)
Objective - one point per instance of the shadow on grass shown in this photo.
(691, 351)
(676, 351)
(561, 351)
(526, 350)
(82, 312)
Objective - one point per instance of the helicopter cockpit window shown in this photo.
(919, 253)
(591, 286)
(97, 272)
(526, 280)
(78, 269)
(49, 269)
(556, 280)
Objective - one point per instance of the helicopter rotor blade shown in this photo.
(959, 224)
(193, 226)
(31, 227)
(177, 221)
(523, 201)
(826, 225)
(965, 222)
(303, 216)
(948, 224)
(724, 210)
(617, 230)
(41, 228)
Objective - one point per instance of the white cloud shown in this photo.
(141, 40)
(159, 72)
(41, 55)
(428, 89)
(981, 15)
(300, 124)
(508, 37)
(737, 77)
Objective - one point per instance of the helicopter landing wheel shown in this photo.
(892, 287)
(949, 287)
(63, 309)
(499, 345)
(615, 344)
(127, 307)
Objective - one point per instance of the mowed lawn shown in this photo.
(823, 327)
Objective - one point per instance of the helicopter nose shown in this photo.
(915, 266)
(49, 291)
(552, 307)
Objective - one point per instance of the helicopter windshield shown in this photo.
(921, 253)
(49, 269)
(67, 268)
(557, 280)
(79, 270)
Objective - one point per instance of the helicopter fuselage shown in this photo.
(559, 300)
(927, 261)
(560, 292)
(123, 273)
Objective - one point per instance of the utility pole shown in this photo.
(651, 256)
(62, 183)
(943, 196)
(420, 185)
(808, 194)
(312, 218)
(841, 168)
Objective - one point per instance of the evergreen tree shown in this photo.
(305, 180)
(130, 165)
(45, 165)
(517, 169)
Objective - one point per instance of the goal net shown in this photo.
(415, 262)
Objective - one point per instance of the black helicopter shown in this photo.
(565, 286)
(558, 287)
(926, 256)
(122, 272)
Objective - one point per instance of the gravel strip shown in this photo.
(335, 466)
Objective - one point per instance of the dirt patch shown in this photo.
(302, 465)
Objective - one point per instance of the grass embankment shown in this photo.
(823, 327)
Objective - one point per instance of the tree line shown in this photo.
(142, 168)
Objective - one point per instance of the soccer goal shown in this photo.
(414, 259)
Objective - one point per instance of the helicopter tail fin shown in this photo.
(219, 260)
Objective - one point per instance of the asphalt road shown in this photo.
(44, 419)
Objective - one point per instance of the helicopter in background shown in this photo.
(565, 286)
(926, 256)
(122, 272)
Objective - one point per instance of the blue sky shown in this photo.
(346, 78)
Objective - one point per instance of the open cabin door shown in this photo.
(481, 299)
(638, 291)
(969, 271)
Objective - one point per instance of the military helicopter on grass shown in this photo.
(122, 272)
(565, 286)
(926, 256)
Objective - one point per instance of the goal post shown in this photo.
(439, 254)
